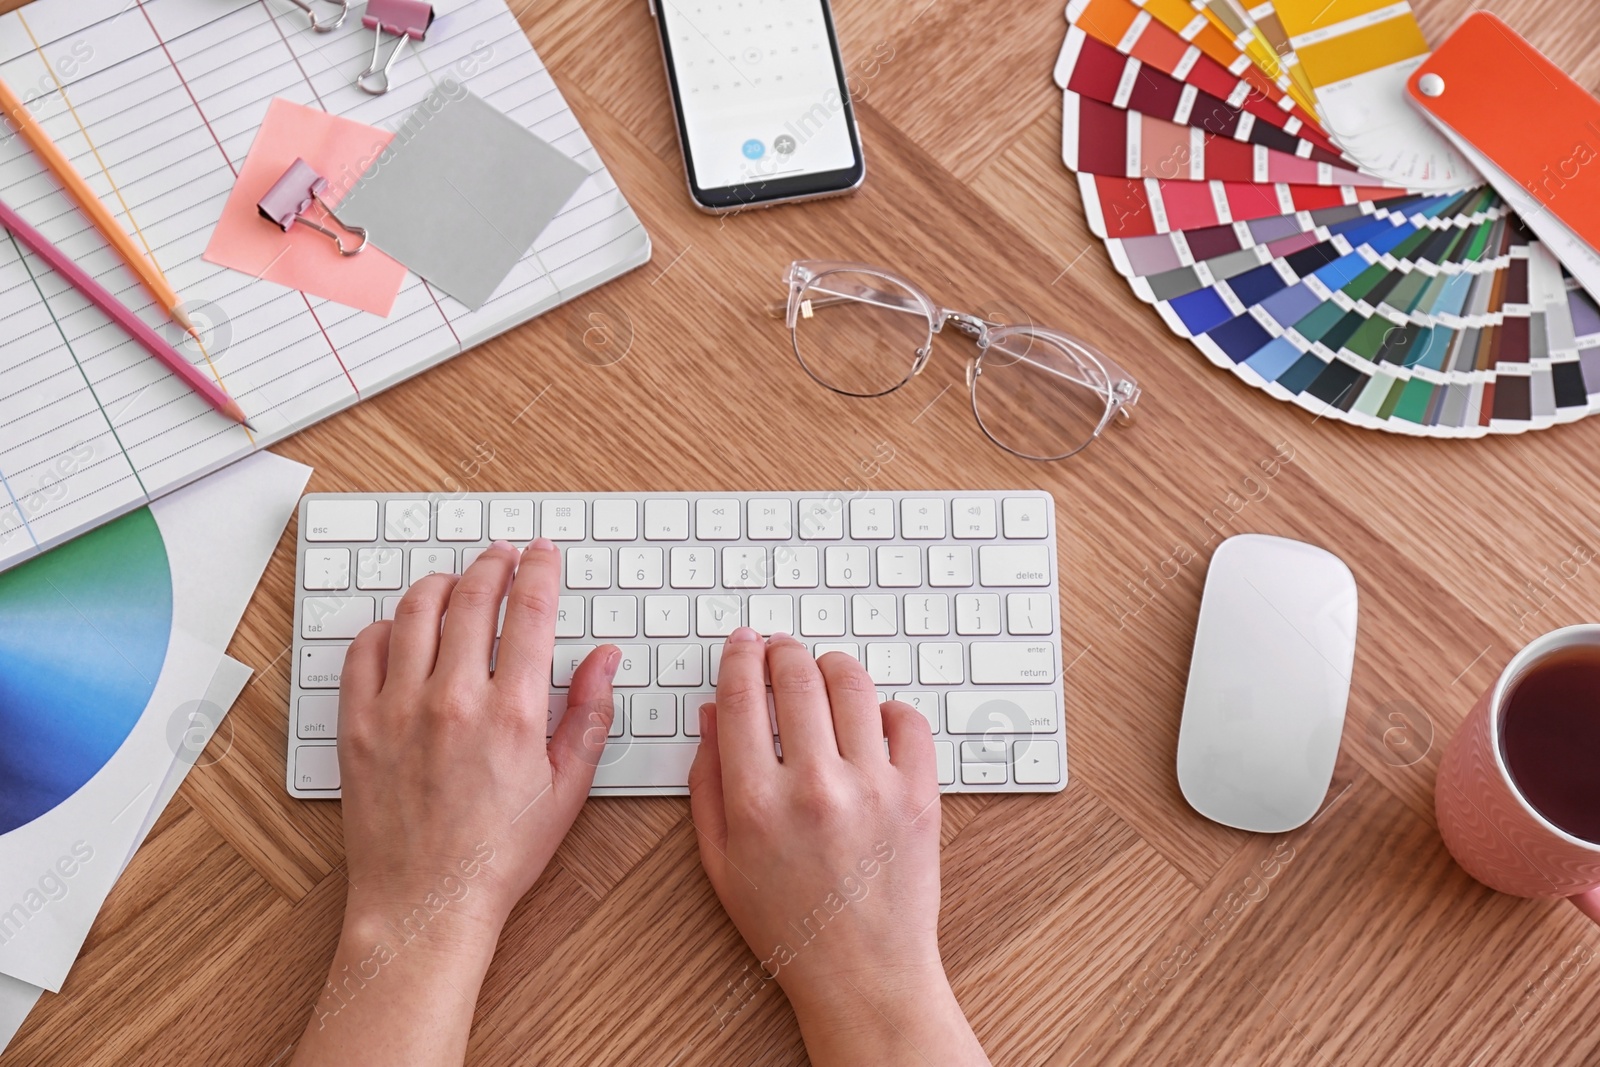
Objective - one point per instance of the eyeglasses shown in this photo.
(865, 331)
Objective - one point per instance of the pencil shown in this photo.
(52, 156)
(101, 297)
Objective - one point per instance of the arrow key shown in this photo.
(1036, 762)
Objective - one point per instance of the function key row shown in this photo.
(711, 519)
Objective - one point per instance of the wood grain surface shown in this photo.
(1108, 924)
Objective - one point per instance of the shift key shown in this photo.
(1011, 662)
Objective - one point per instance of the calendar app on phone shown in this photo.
(761, 94)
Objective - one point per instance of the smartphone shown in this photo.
(762, 103)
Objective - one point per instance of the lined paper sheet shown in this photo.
(156, 102)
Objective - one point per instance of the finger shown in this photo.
(474, 613)
(910, 742)
(857, 722)
(747, 758)
(805, 726)
(414, 637)
(528, 638)
(365, 663)
(580, 739)
(705, 792)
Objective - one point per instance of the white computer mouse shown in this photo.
(1268, 683)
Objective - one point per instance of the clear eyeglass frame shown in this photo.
(1114, 386)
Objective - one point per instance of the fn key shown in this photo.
(316, 767)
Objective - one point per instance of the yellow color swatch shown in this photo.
(1369, 48)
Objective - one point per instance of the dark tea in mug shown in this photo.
(1550, 737)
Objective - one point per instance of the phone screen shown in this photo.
(761, 97)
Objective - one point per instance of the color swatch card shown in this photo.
(17, 997)
(106, 646)
(1262, 181)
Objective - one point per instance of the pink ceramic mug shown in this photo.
(1488, 824)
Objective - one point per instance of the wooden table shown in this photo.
(1108, 924)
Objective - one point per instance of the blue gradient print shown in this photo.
(83, 635)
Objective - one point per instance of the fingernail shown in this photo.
(613, 661)
(502, 546)
(741, 635)
(779, 636)
(543, 544)
(707, 708)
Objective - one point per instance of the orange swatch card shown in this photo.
(339, 150)
(1499, 94)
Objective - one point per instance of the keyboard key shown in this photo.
(871, 519)
(588, 568)
(639, 568)
(1013, 565)
(317, 717)
(899, 567)
(924, 701)
(772, 614)
(716, 520)
(691, 711)
(974, 518)
(557, 710)
(469, 556)
(822, 519)
(561, 520)
(1036, 762)
(616, 520)
(1020, 712)
(694, 568)
(794, 567)
(1009, 662)
(390, 605)
(653, 715)
(874, 615)
(744, 568)
(634, 670)
(379, 568)
(717, 614)
(327, 568)
(666, 616)
(614, 616)
(565, 664)
(950, 568)
(341, 520)
(940, 663)
(405, 520)
(321, 665)
(849, 648)
(945, 755)
(659, 763)
(822, 615)
(978, 614)
(426, 561)
(680, 664)
(847, 567)
(335, 616)
(666, 520)
(768, 519)
(570, 617)
(889, 663)
(460, 520)
(511, 520)
(986, 751)
(316, 767)
(1028, 613)
(927, 614)
(983, 774)
(922, 518)
(1025, 517)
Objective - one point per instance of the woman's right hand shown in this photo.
(828, 859)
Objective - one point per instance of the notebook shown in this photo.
(157, 102)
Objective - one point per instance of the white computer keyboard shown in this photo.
(949, 599)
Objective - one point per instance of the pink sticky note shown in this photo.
(340, 151)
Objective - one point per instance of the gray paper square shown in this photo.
(461, 193)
